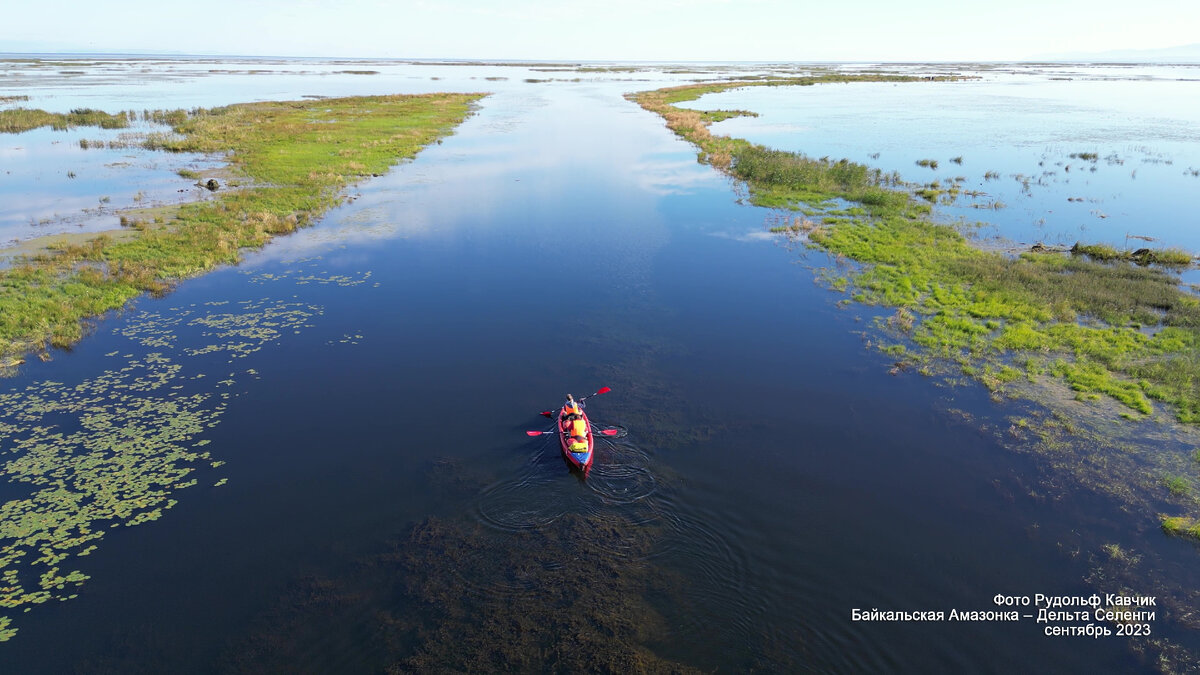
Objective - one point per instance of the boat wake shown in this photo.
(529, 501)
(621, 474)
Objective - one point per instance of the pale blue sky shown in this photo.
(673, 30)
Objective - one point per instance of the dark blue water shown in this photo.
(774, 478)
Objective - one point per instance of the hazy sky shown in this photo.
(693, 30)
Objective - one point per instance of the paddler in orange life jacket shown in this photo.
(572, 424)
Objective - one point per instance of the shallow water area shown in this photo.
(368, 381)
(1058, 155)
(51, 185)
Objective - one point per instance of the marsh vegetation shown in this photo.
(976, 304)
(15, 120)
(1104, 323)
(298, 155)
(317, 462)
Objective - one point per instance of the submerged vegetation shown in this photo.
(297, 155)
(455, 597)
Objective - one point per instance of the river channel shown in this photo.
(375, 499)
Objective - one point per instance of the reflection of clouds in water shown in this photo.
(369, 227)
(513, 164)
(670, 176)
(506, 113)
(749, 237)
(729, 126)
(53, 186)
(23, 210)
(11, 153)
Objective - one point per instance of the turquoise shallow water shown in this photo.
(774, 478)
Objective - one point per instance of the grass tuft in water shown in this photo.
(1170, 257)
(1176, 485)
(16, 120)
(1181, 526)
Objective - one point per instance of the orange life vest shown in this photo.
(579, 428)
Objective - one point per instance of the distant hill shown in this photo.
(1181, 54)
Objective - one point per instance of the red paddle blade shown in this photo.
(608, 432)
(603, 390)
(536, 433)
(546, 413)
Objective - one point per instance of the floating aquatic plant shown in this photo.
(112, 450)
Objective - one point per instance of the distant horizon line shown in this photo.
(501, 60)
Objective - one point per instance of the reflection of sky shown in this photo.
(1015, 125)
(552, 162)
(1008, 122)
(39, 196)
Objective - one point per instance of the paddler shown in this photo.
(571, 410)
(573, 424)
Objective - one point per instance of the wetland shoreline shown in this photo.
(720, 543)
(296, 156)
(1127, 332)
(1109, 348)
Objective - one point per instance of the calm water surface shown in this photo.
(774, 476)
(1022, 127)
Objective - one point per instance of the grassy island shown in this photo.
(295, 157)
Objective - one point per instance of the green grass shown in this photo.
(1176, 485)
(1116, 552)
(795, 177)
(23, 119)
(1110, 328)
(300, 154)
(720, 115)
(1181, 526)
(1169, 257)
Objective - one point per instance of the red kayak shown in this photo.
(580, 459)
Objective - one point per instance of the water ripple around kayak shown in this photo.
(621, 474)
(524, 503)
